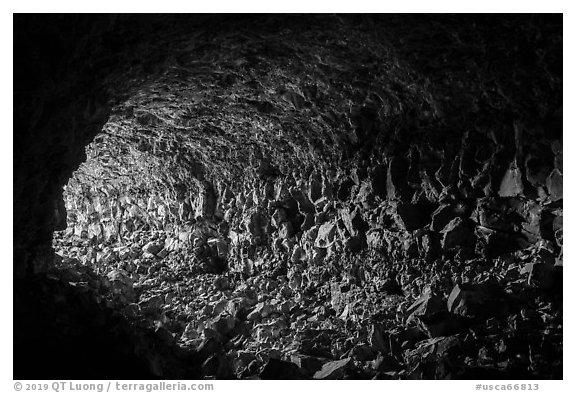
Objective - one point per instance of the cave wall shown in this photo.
(318, 134)
(70, 71)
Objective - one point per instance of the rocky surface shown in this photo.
(315, 197)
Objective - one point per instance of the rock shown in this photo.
(308, 364)
(214, 264)
(476, 300)
(318, 255)
(326, 235)
(366, 196)
(286, 230)
(315, 187)
(558, 161)
(217, 366)
(121, 284)
(441, 217)
(511, 184)
(442, 323)
(208, 347)
(337, 299)
(558, 227)
(219, 247)
(223, 324)
(152, 248)
(403, 338)
(354, 244)
(152, 305)
(345, 189)
(190, 332)
(390, 286)
(363, 353)
(353, 221)
(222, 283)
(262, 310)
(298, 255)
(544, 276)
(333, 370)
(281, 369)
(243, 359)
(458, 234)
(427, 306)
(531, 225)
(385, 363)
(499, 213)
(377, 240)
(379, 338)
(308, 222)
(396, 183)
(536, 168)
(410, 216)
(554, 185)
(438, 347)
(163, 254)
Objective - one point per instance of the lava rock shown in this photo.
(396, 183)
(333, 370)
(326, 235)
(511, 184)
(544, 276)
(152, 305)
(441, 217)
(281, 369)
(458, 234)
(152, 248)
(554, 185)
(476, 300)
(427, 305)
(223, 324)
(308, 364)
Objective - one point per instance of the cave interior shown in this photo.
(288, 196)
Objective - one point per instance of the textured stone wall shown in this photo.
(343, 135)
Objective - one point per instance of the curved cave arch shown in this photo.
(339, 151)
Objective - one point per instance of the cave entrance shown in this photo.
(144, 229)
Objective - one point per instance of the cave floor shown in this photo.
(352, 317)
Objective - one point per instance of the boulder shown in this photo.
(511, 184)
(308, 364)
(379, 338)
(458, 234)
(554, 185)
(353, 221)
(441, 217)
(333, 370)
(152, 248)
(326, 235)
(366, 196)
(286, 230)
(223, 324)
(477, 300)
(545, 276)
(427, 306)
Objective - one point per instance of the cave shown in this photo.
(356, 196)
